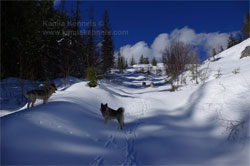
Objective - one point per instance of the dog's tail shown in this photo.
(121, 110)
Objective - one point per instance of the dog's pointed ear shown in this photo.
(101, 104)
(54, 86)
(106, 104)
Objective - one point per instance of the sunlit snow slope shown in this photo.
(191, 126)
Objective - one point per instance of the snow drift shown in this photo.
(198, 124)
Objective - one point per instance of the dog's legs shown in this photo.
(33, 102)
(120, 122)
(121, 126)
(28, 104)
(45, 100)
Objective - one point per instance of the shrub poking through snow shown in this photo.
(195, 73)
(236, 71)
(236, 130)
(213, 53)
(204, 74)
(142, 70)
(218, 74)
(184, 81)
(193, 67)
(158, 71)
(92, 76)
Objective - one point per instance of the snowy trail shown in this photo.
(186, 127)
(127, 137)
(130, 153)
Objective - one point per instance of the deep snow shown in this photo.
(188, 127)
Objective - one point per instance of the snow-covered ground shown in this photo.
(204, 124)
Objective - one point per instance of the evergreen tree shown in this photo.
(132, 62)
(48, 46)
(77, 18)
(231, 41)
(107, 49)
(71, 48)
(78, 45)
(43, 49)
(246, 26)
(11, 58)
(92, 76)
(239, 37)
(120, 62)
(123, 64)
(62, 6)
(141, 60)
(23, 28)
(91, 45)
(154, 62)
(221, 49)
(146, 61)
(213, 53)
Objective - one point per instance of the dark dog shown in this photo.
(109, 113)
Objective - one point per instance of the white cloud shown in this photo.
(215, 40)
(207, 41)
(159, 45)
(140, 48)
(185, 35)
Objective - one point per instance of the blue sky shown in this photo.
(145, 20)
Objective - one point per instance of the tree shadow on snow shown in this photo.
(175, 139)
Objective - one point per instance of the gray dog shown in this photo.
(43, 94)
(109, 113)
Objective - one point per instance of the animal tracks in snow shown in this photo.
(129, 151)
(138, 108)
(123, 141)
(111, 140)
(98, 161)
